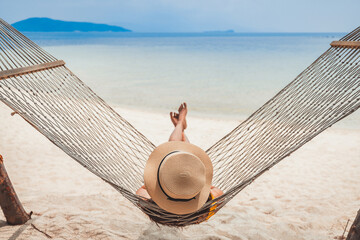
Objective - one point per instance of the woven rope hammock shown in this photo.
(43, 91)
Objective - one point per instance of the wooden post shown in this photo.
(354, 232)
(9, 202)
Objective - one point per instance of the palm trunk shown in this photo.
(9, 202)
(354, 232)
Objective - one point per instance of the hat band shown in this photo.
(158, 179)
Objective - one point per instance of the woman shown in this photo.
(179, 121)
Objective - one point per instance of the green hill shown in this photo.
(51, 25)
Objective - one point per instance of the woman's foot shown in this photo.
(174, 118)
(182, 115)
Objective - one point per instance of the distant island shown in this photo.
(219, 31)
(52, 25)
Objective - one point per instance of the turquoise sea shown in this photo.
(220, 74)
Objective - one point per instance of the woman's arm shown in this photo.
(216, 192)
(143, 192)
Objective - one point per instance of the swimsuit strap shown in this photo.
(211, 197)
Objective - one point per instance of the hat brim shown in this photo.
(152, 185)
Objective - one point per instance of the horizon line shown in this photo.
(228, 31)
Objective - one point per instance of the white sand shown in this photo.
(309, 195)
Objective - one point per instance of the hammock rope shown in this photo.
(61, 107)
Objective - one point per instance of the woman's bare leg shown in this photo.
(185, 138)
(179, 121)
(174, 119)
(177, 134)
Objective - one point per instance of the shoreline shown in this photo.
(350, 122)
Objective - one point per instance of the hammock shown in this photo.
(44, 92)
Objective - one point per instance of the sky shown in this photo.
(196, 15)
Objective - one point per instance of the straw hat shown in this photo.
(178, 177)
